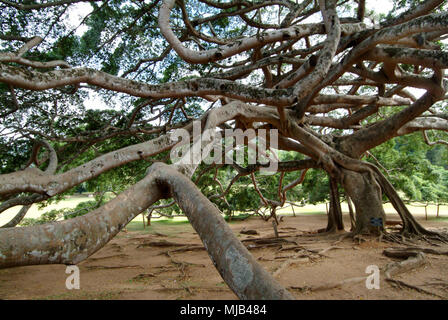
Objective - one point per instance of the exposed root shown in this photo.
(400, 284)
(268, 240)
(329, 248)
(393, 238)
(297, 248)
(306, 255)
(438, 283)
(121, 255)
(404, 253)
(343, 237)
(357, 237)
(191, 289)
(184, 249)
(182, 265)
(143, 276)
(160, 243)
(249, 232)
(113, 267)
(412, 262)
(414, 259)
(329, 285)
(265, 242)
(411, 239)
(289, 262)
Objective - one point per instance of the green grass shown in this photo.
(35, 212)
(445, 219)
(137, 225)
(175, 221)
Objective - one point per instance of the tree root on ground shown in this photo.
(113, 267)
(160, 243)
(183, 265)
(191, 289)
(329, 249)
(306, 256)
(121, 255)
(441, 284)
(400, 284)
(251, 244)
(184, 249)
(414, 256)
(143, 276)
(403, 238)
(414, 259)
(289, 262)
(408, 239)
(404, 253)
(329, 286)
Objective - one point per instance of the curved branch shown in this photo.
(327, 53)
(43, 5)
(34, 180)
(367, 138)
(74, 240)
(28, 201)
(33, 80)
(432, 143)
(423, 57)
(431, 22)
(236, 47)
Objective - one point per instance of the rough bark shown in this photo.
(304, 68)
(74, 240)
(366, 195)
(233, 261)
(335, 222)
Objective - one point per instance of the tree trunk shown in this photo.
(351, 212)
(366, 195)
(335, 212)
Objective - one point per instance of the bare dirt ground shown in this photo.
(168, 262)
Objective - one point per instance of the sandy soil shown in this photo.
(146, 265)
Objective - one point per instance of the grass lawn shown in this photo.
(137, 224)
(34, 211)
